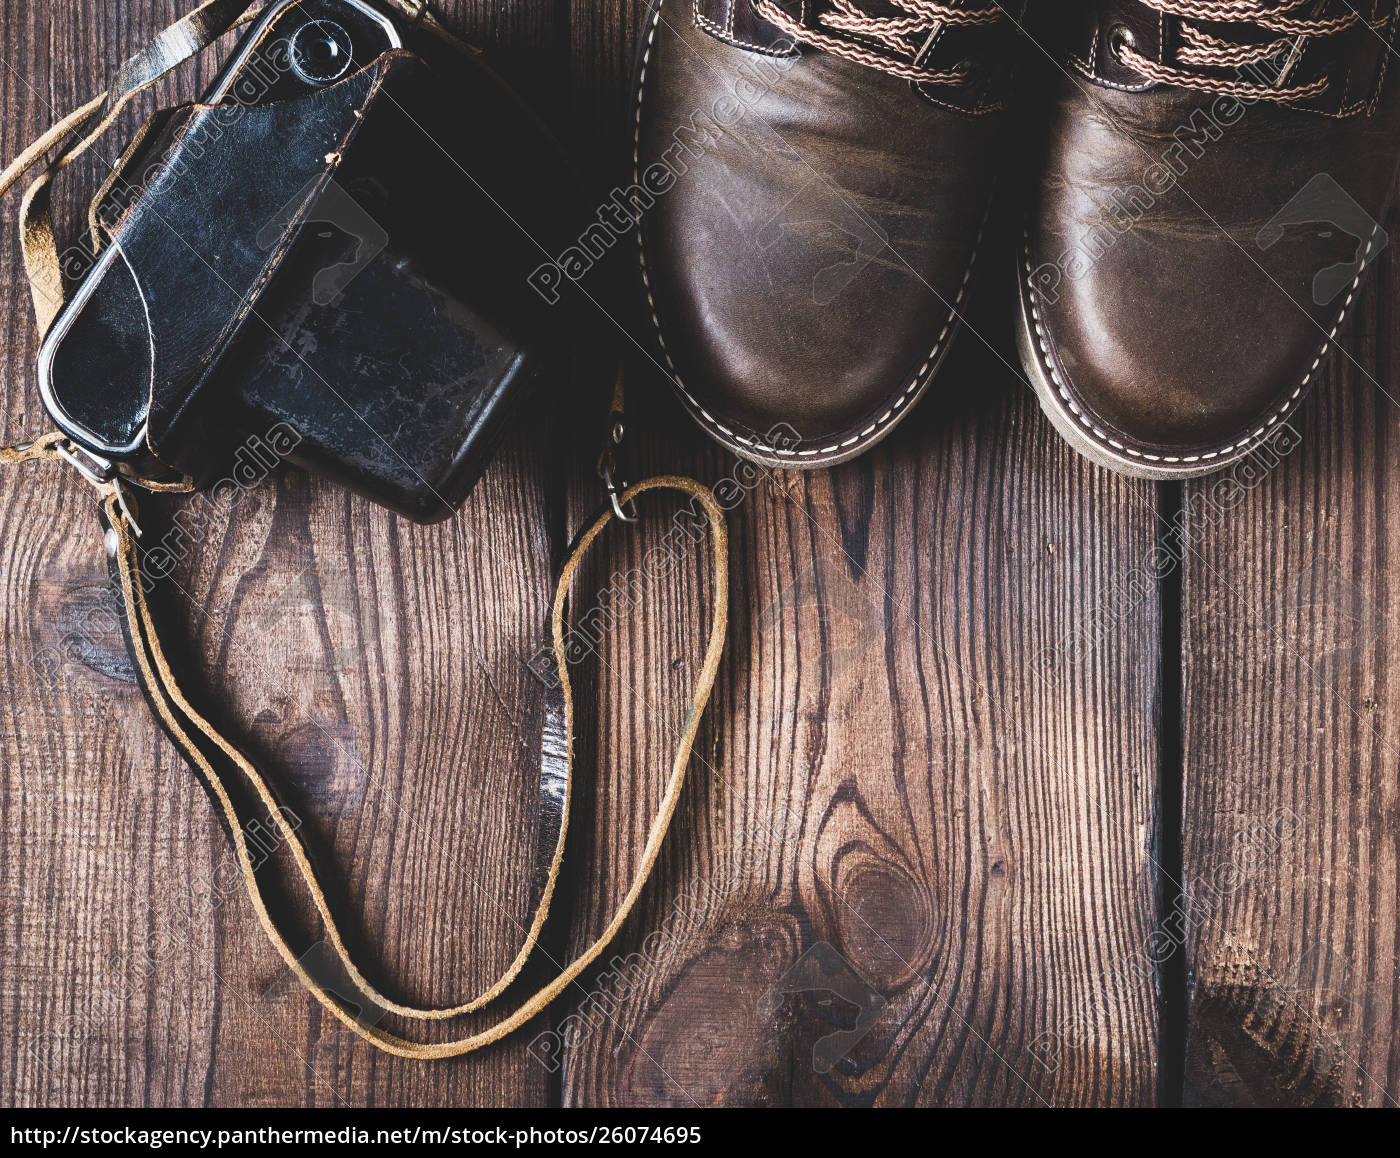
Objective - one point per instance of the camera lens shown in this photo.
(321, 51)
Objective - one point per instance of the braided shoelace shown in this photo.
(1295, 22)
(846, 30)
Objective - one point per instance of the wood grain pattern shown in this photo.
(890, 797)
(913, 864)
(1292, 740)
(384, 663)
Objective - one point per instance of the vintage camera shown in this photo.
(336, 240)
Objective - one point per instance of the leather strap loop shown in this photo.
(212, 756)
(202, 745)
(216, 760)
(45, 448)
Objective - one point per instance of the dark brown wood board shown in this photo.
(916, 860)
(1292, 741)
(929, 774)
(890, 795)
(379, 667)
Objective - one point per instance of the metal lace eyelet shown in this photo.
(1120, 36)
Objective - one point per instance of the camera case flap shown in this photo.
(341, 260)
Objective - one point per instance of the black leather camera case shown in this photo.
(346, 254)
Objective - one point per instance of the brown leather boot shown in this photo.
(812, 180)
(1215, 176)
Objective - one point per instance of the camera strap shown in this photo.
(230, 776)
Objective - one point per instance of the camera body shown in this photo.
(336, 240)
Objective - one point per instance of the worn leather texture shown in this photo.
(807, 262)
(1188, 257)
(353, 261)
(402, 381)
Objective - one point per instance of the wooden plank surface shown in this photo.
(1292, 740)
(384, 663)
(892, 813)
(915, 863)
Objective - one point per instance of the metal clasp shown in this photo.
(96, 469)
(607, 470)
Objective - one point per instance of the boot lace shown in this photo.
(1269, 37)
(890, 43)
